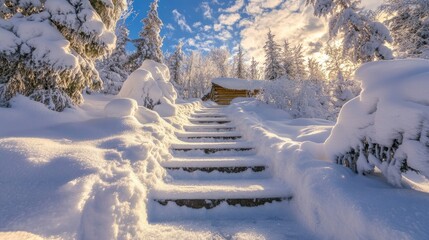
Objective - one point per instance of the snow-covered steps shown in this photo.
(244, 193)
(208, 115)
(210, 128)
(213, 147)
(209, 135)
(219, 120)
(219, 164)
(224, 161)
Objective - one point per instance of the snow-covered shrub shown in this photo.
(150, 86)
(301, 98)
(387, 125)
(48, 48)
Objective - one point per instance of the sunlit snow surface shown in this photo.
(82, 175)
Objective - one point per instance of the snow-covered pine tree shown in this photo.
(111, 68)
(48, 48)
(298, 67)
(315, 72)
(363, 38)
(287, 59)
(150, 42)
(273, 68)
(240, 71)
(254, 69)
(176, 63)
(408, 22)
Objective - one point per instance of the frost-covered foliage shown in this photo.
(150, 42)
(48, 48)
(363, 38)
(298, 67)
(387, 126)
(408, 22)
(273, 68)
(301, 98)
(220, 58)
(150, 86)
(112, 68)
(287, 59)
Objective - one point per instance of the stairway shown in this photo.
(213, 166)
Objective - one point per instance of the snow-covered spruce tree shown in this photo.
(298, 66)
(240, 71)
(408, 22)
(363, 38)
(150, 42)
(273, 68)
(48, 48)
(254, 74)
(111, 68)
(176, 62)
(287, 59)
(315, 72)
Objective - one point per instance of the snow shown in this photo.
(121, 107)
(327, 198)
(92, 172)
(233, 189)
(392, 106)
(239, 84)
(149, 85)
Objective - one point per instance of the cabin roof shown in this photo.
(238, 84)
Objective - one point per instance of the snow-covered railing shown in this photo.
(387, 125)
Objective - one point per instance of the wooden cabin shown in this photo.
(224, 90)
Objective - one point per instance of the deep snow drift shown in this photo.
(330, 199)
(387, 125)
(150, 86)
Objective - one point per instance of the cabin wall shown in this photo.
(224, 96)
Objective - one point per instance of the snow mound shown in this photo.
(238, 84)
(121, 107)
(149, 85)
(387, 126)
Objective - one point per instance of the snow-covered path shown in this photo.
(220, 184)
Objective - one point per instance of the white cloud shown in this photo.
(196, 24)
(229, 19)
(258, 6)
(207, 28)
(170, 27)
(181, 21)
(207, 11)
(224, 35)
(290, 21)
(234, 8)
(217, 27)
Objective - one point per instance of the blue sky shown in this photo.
(216, 23)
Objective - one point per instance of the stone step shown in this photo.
(208, 195)
(208, 115)
(209, 120)
(212, 147)
(209, 128)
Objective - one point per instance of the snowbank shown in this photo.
(239, 84)
(329, 199)
(80, 174)
(150, 86)
(387, 126)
